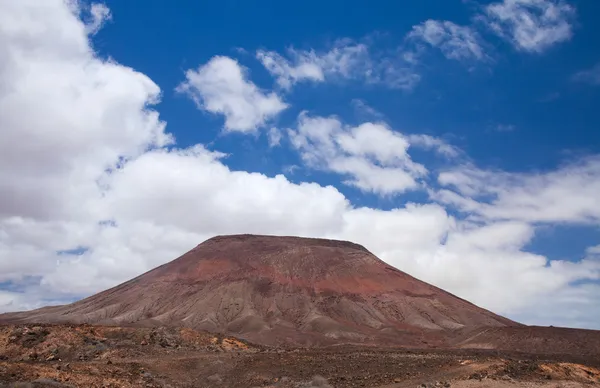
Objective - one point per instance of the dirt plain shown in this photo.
(291, 313)
(102, 356)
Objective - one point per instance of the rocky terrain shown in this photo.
(264, 311)
(99, 356)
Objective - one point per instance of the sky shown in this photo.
(458, 140)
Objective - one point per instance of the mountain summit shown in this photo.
(276, 290)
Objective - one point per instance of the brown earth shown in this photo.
(530, 339)
(281, 290)
(96, 356)
(325, 313)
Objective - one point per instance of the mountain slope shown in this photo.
(277, 290)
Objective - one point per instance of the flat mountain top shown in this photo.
(275, 290)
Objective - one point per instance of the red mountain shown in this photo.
(275, 290)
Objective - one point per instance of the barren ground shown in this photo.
(94, 356)
(280, 290)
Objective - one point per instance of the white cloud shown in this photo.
(569, 194)
(100, 14)
(531, 25)
(65, 115)
(364, 109)
(593, 251)
(274, 136)
(475, 261)
(232, 201)
(455, 42)
(433, 143)
(567, 307)
(591, 76)
(290, 169)
(345, 60)
(75, 116)
(18, 300)
(487, 257)
(287, 73)
(221, 86)
(372, 155)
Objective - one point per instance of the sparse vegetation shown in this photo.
(118, 357)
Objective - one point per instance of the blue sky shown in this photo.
(458, 140)
(517, 112)
(532, 93)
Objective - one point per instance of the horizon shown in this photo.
(455, 140)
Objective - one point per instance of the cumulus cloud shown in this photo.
(232, 201)
(374, 157)
(454, 41)
(593, 251)
(463, 256)
(345, 60)
(95, 191)
(66, 115)
(221, 86)
(67, 118)
(492, 254)
(531, 25)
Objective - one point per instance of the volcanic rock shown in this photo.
(280, 290)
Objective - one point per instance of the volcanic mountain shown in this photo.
(276, 290)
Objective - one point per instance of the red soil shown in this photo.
(281, 290)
